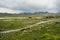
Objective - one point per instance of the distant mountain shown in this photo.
(41, 12)
(7, 14)
(35, 13)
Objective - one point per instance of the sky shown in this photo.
(20, 6)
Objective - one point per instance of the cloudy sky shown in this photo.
(16, 6)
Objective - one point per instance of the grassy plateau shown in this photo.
(46, 31)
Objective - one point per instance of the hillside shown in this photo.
(27, 14)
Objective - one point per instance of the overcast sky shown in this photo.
(15, 6)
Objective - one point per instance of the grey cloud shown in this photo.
(25, 5)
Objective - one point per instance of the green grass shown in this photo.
(16, 23)
(47, 31)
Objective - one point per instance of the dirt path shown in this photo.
(26, 27)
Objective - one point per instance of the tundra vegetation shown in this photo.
(46, 31)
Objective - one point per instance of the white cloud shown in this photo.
(29, 5)
(5, 10)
